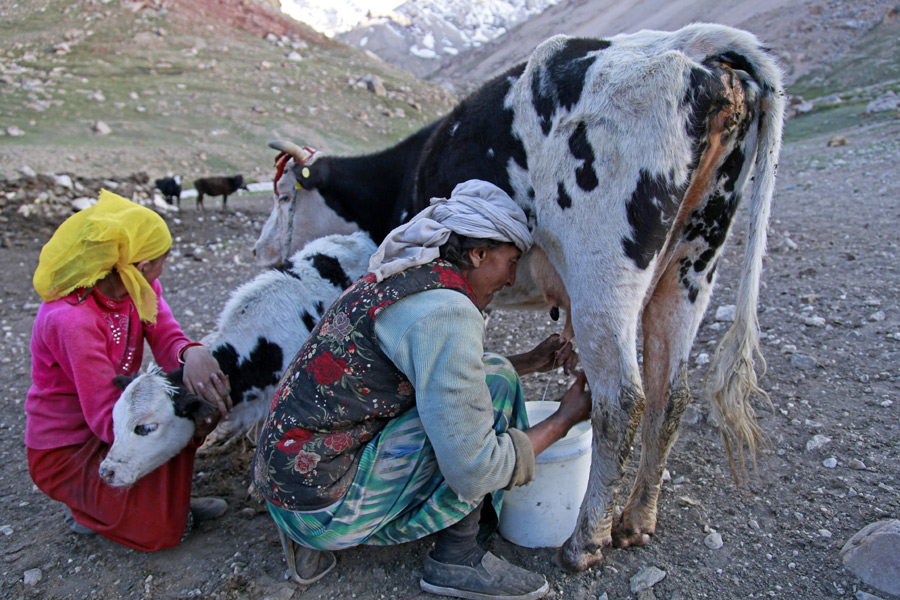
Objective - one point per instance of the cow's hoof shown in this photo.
(574, 560)
(626, 536)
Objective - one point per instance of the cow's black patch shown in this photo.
(581, 148)
(653, 203)
(311, 320)
(703, 98)
(712, 272)
(258, 370)
(458, 149)
(563, 198)
(560, 81)
(712, 220)
(684, 279)
(330, 269)
(287, 267)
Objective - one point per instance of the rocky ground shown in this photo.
(831, 322)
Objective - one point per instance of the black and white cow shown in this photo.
(630, 156)
(260, 329)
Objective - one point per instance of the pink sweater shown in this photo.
(76, 350)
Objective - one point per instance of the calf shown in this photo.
(170, 188)
(218, 186)
(630, 157)
(263, 324)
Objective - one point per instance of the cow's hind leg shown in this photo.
(680, 295)
(669, 325)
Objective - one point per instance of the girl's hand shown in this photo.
(204, 378)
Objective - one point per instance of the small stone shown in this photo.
(829, 463)
(102, 128)
(725, 313)
(646, 578)
(817, 442)
(692, 415)
(6, 530)
(26, 171)
(877, 317)
(803, 362)
(702, 359)
(789, 244)
(857, 464)
(814, 321)
(32, 576)
(824, 533)
(714, 541)
(886, 403)
(14, 131)
(788, 349)
(83, 203)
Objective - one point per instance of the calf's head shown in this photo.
(153, 420)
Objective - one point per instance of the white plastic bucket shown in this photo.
(543, 513)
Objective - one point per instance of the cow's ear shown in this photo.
(122, 381)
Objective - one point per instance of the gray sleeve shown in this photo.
(437, 339)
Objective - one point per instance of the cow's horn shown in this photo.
(301, 154)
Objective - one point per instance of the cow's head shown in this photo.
(300, 213)
(153, 420)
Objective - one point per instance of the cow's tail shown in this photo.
(732, 377)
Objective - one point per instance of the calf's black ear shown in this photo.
(122, 381)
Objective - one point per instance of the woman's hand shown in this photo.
(553, 352)
(204, 378)
(574, 407)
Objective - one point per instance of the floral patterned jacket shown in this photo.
(338, 393)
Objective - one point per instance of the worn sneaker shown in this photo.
(75, 526)
(492, 579)
(206, 509)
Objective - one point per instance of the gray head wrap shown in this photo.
(475, 209)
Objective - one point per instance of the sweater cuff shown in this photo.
(180, 353)
(524, 469)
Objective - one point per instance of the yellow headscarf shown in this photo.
(114, 233)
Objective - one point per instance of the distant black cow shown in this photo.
(218, 186)
(170, 187)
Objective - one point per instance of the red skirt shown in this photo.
(149, 515)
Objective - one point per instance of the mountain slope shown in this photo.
(190, 87)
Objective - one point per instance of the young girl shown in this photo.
(98, 277)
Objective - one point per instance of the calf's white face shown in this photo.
(147, 431)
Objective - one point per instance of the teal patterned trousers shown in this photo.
(398, 494)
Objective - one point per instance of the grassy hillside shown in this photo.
(842, 91)
(187, 90)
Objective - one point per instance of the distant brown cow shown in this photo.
(218, 186)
